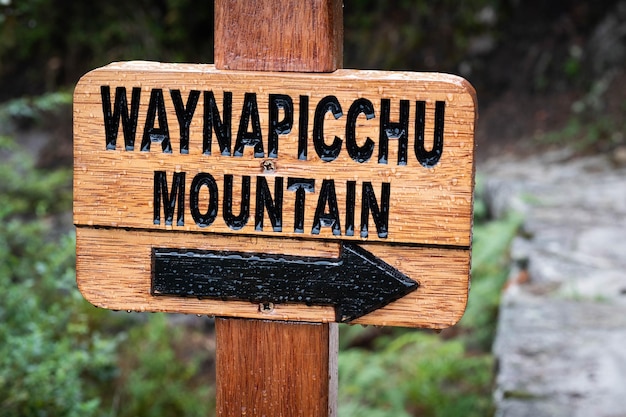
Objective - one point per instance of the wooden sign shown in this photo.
(199, 191)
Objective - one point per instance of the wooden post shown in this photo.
(270, 35)
(273, 368)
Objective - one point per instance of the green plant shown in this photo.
(489, 273)
(414, 374)
(46, 352)
(156, 380)
(584, 135)
(47, 44)
(26, 191)
(60, 356)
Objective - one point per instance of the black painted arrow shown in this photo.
(355, 284)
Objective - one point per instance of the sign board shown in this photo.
(275, 195)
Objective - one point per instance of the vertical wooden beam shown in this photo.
(273, 368)
(270, 35)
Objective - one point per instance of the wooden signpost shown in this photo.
(314, 194)
(228, 187)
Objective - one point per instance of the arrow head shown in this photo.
(368, 284)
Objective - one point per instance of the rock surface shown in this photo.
(561, 339)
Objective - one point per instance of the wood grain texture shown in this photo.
(114, 189)
(113, 268)
(264, 35)
(267, 368)
(432, 206)
(275, 369)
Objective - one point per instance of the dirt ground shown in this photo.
(519, 122)
(558, 64)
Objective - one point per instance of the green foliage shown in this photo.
(26, 191)
(29, 194)
(155, 381)
(489, 273)
(59, 356)
(46, 351)
(32, 110)
(414, 374)
(45, 44)
(593, 124)
(587, 132)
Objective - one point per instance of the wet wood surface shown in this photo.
(265, 35)
(269, 368)
(276, 368)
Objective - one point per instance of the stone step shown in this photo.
(561, 338)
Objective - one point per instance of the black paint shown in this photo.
(279, 127)
(239, 221)
(162, 194)
(429, 159)
(327, 153)
(274, 206)
(161, 134)
(359, 153)
(350, 204)
(213, 122)
(184, 114)
(250, 119)
(303, 128)
(203, 179)
(393, 130)
(327, 213)
(355, 284)
(120, 110)
(281, 113)
(301, 186)
(330, 218)
(379, 214)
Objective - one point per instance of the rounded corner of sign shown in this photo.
(87, 295)
(465, 86)
(469, 89)
(447, 324)
(455, 317)
(80, 85)
(85, 80)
